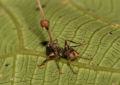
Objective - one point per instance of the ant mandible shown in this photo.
(54, 50)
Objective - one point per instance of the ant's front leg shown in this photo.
(56, 40)
(46, 60)
(43, 63)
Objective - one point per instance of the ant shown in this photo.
(53, 50)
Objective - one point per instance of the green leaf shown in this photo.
(95, 22)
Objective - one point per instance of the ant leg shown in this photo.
(67, 46)
(67, 54)
(59, 65)
(75, 42)
(46, 60)
(43, 63)
(71, 66)
(56, 40)
(84, 57)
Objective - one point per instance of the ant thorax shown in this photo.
(53, 49)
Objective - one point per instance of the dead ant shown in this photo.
(54, 50)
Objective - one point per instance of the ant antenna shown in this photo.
(44, 23)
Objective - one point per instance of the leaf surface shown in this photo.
(22, 42)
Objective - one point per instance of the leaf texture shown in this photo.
(22, 39)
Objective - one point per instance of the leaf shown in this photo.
(22, 42)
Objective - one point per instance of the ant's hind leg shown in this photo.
(59, 65)
(74, 42)
(84, 57)
(71, 67)
(80, 54)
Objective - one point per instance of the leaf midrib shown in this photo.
(76, 64)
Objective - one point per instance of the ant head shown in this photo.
(45, 24)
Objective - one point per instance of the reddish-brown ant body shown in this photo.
(54, 50)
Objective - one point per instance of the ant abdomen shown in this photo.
(73, 56)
